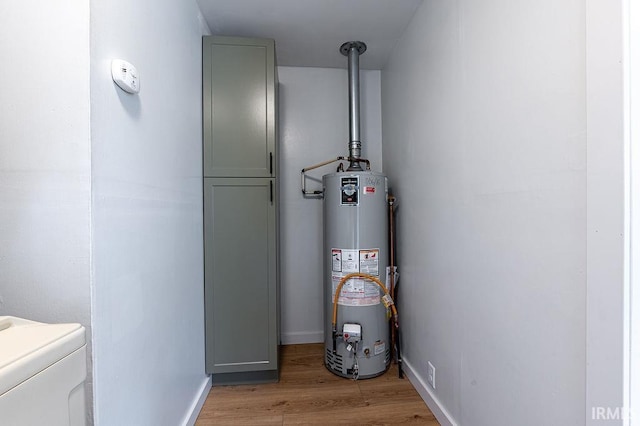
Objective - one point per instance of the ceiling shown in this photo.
(308, 33)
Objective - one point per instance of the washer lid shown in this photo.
(28, 347)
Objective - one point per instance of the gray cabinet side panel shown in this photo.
(240, 275)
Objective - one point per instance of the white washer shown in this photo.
(42, 373)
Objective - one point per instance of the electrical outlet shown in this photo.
(431, 374)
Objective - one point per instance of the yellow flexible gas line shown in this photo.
(366, 276)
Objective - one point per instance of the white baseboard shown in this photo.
(425, 391)
(198, 402)
(300, 337)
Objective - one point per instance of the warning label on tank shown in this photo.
(350, 261)
(369, 261)
(336, 260)
(356, 291)
(379, 347)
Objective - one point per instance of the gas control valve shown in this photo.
(352, 333)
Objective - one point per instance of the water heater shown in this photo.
(355, 241)
(357, 270)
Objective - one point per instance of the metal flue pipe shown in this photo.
(353, 50)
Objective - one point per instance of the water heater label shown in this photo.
(349, 190)
(369, 261)
(350, 261)
(336, 260)
(356, 291)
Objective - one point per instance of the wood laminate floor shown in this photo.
(309, 394)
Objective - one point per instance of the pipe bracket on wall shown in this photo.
(303, 178)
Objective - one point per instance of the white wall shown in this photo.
(606, 360)
(484, 125)
(45, 161)
(633, 191)
(147, 213)
(314, 127)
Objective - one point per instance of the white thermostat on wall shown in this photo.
(125, 76)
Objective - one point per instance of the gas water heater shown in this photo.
(358, 273)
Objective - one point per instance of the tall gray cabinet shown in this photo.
(240, 209)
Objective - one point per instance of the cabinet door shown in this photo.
(238, 107)
(240, 275)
